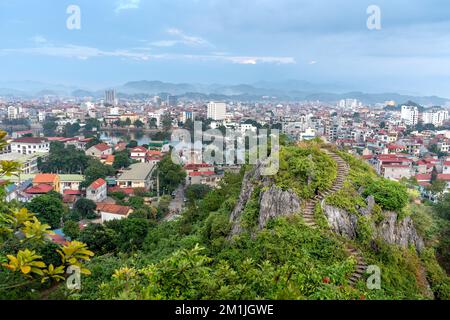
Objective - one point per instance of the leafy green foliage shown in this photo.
(305, 170)
(170, 175)
(50, 209)
(390, 195)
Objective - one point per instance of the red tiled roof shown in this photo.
(58, 239)
(39, 189)
(113, 208)
(97, 184)
(201, 173)
(102, 147)
(110, 158)
(30, 140)
(69, 198)
(423, 177)
(127, 191)
(68, 192)
(446, 163)
(45, 178)
(445, 177)
(139, 149)
(193, 166)
(154, 153)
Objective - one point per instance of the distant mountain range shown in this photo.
(285, 90)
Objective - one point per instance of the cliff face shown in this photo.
(273, 201)
(390, 229)
(276, 203)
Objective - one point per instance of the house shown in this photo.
(138, 175)
(39, 189)
(109, 212)
(97, 191)
(99, 150)
(139, 154)
(28, 162)
(47, 179)
(70, 182)
(154, 156)
(108, 160)
(30, 145)
(446, 167)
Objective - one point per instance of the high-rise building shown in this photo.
(172, 101)
(13, 112)
(110, 97)
(187, 115)
(217, 111)
(410, 115)
(436, 117)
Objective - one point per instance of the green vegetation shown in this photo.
(64, 160)
(170, 175)
(306, 171)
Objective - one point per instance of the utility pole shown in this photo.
(157, 184)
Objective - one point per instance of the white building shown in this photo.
(13, 112)
(187, 115)
(30, 145)
(410, 115)
(435, 117)
(217, 111)
(97, 191)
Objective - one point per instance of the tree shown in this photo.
(153, 124)
(49, 209)
(167, 122)
(64, 160)
(197, 191)
(49, 127)
(99, 238)
(442, 207)
(121, 160)
(390, 195)
(86, 208)
(132, 144)
(130, 233)
(71, 130)
(170, 175)
(94, 141)
(138, 124)
(96, 170)
(437, 187)
(71, 229)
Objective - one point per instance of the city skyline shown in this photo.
(228, 42)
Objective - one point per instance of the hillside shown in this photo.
(310, 232)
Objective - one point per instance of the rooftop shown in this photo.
(113, 208)
(137, 171)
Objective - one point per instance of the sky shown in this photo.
(229, 42)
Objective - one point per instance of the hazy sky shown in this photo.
(229, 41)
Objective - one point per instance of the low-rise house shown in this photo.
(138, 175)
(28, 162)
(70, 182)
(139, 154)
(30, 145)
(99, 150)
(109, 212)
(97, 191)
(47, 179)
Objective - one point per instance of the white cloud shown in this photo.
(181, 38)
(127, 5)
(312, 62)
(141, 54)
(38, 39)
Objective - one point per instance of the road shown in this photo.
(176, 205)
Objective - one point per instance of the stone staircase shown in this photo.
(308, 214)
(342, 172)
